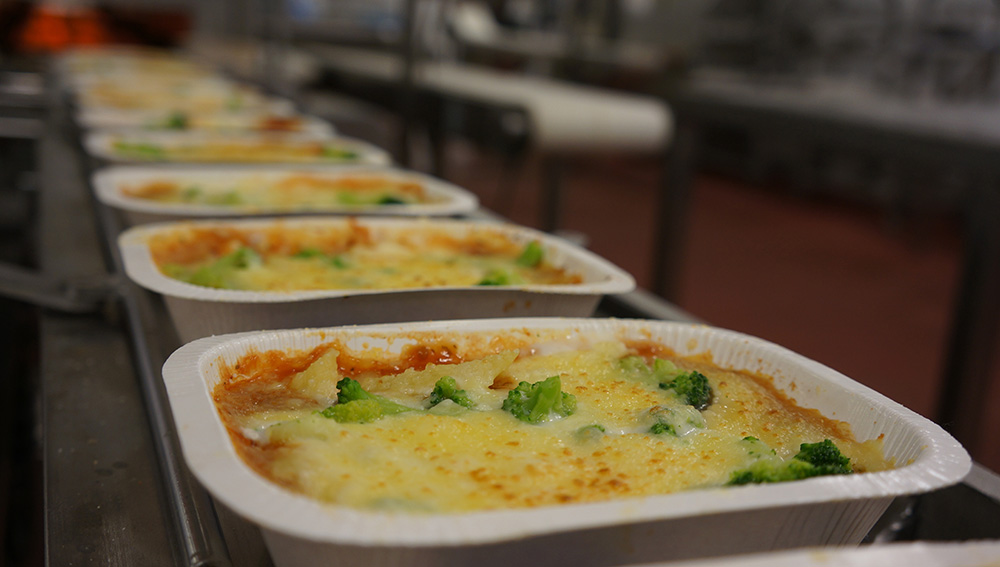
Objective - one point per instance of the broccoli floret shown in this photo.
(350, 390)
(310, 253)
(218, 274)
(140, 150)
(692, 387)
(813, 459)
(677, 422)
(660, 427)
(355, 405)
(242, 258)
(390, 200)
(348, 198)
(307, 253)
(191, 193)
(176, 121)
(339, 153)
(531, 256)
(498, 277)
(541, 401)
(229, 198)
(634, 366)
(447, 389)
(825, 456)
(662, 370)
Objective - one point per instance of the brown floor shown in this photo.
(839, 283)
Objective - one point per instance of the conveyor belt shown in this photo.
(116, 490)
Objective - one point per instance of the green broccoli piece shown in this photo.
(355, 405)
(348, 198)
(813, 459)
(209, 276)
(660, 427)
(310, 253)
(140, 150)
(498, 277)
(243, 258)
(677, 422)
(339, 153)
(692, 387)
(635, 366)
(235, 102)
(541, 401)
(176, 121)
(229, 198)
(390, 200)
(191, 193)
(531, 256)
(447, 389)
(307, 253)
(825, 456)
(662, 370)
(218, 274)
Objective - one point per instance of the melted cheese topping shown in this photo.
(345, 258)
(299, 191)
(191, 96)
(451, 460)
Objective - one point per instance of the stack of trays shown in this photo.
(154, 91)
(202, 251)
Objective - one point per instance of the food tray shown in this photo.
(834, 510)
(200, 311)
(242, 121)
(108, 184)
(100, 144)
(136, 92)
(968, 554)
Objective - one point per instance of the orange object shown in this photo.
(54, 29)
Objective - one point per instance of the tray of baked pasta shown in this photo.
(270, 119)
(152, 193)
(569, 441)
(223, 276)
(137, 146)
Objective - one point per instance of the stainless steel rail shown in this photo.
(194, 513)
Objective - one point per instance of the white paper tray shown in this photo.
(150, 93)
(923, 554)
(109, 182)
(200, 311)
(834, 510)
(100, 144)
(239, 122)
